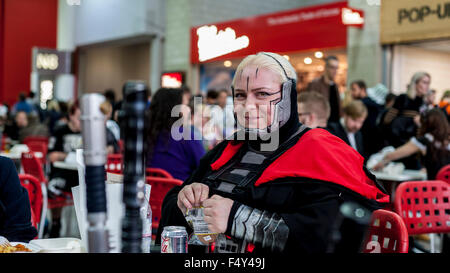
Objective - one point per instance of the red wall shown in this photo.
(23, 25)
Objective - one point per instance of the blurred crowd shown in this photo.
(367, 119)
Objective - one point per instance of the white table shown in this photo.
(406, 175)
(66, 165)
(18, 156)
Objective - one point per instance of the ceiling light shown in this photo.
(318, 54)
(307, 60)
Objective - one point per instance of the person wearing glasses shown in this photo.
(275, 185)
(327, 86)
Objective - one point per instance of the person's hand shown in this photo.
(417, 120)
(56, 156)
(379, 166)
(192, 196)
(216, 213)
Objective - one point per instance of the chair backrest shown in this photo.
(444, 174)
(32, 165)
(160, 187)
(114, 163)
(39, 146)
(42, 139)
(35, 195)
(424, 206)
(121, 145)
(157, 172)
(387, 233)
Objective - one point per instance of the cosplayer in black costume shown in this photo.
(283, 200)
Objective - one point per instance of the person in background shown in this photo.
(370, 132)
(349, 126)
(389, 100)
(430, 99)
(52, 115)
(3, 118)
(313, 109)
(29, 125)
(444, 104)
(36, 109)
(403, 118)
(178, 157)
(112, 141)
(223, 116)
(22, 105)
(65, 140)
(187, 94)
(110, 96)
(433, 144)
(211, 97)
(64, 118)
(202, 124)
(383, 128)
(15, 209)
(327, 86)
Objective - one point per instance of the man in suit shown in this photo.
(349, 126)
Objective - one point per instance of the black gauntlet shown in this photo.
(260, 227)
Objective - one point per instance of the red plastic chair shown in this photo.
(157, 172)
(43, 139)
(37, 200)
(387, 233)
(41, 147)
(114, 163)
(424, 206)
(31, 165)
(121, 145)
(444, 174)
(160, 187)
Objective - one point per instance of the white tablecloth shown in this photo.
(66, 165)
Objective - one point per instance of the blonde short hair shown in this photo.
(269, 61)
(355, 109)
(316, 103)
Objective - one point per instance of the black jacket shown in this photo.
(15, 211)
(338, 130)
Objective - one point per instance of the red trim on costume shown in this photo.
(318, 155)
(323, 156)
(227, 154)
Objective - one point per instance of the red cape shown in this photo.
(317, 155)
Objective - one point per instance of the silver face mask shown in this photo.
(282, 109)
(282, 112)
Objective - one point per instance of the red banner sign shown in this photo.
(316, 27)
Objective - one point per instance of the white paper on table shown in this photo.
(114, 205)
(72, 157)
